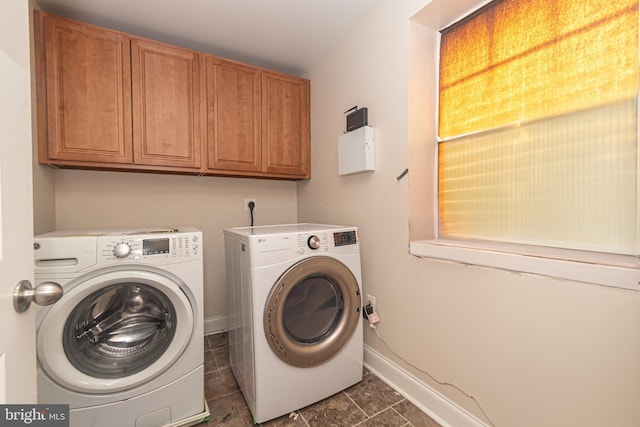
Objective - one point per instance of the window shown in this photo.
(537, 131)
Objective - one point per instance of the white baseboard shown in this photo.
(438, 407)
(213, 325)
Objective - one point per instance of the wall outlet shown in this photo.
(371, 300)
(372, 317)
(246, 204)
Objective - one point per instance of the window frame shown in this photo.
(605, 269)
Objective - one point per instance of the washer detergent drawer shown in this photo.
(64, 256)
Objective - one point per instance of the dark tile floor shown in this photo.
(369, 403)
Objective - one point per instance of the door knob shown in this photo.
(46, 293)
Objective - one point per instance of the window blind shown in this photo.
(538, 123)
(519, 60)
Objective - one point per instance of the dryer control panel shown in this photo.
(344, 238)
(273, 244)
(323, 240)
(326, 241)
(318, 241)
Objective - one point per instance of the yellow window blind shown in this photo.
(538, 123)
(518, 60)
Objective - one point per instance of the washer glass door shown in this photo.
(115, 329)
(119, 330)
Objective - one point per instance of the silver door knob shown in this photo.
(46, 293)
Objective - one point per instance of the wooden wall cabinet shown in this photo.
(166, 105)
(285, 124)
(84, 96)
(233, 116)
(257, 120)
(107, 100)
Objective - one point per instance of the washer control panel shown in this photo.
(74, 251)
(150, 247)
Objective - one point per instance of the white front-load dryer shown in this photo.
(294, 302)
(124, 344)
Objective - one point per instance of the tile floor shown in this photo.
(369, 403)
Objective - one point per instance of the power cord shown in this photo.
(442, 383)
(251, 206)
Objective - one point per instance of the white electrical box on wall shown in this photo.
(356, 151)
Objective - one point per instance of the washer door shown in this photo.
(312, 311)
(115, 330)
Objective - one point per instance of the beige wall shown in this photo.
(93, 199)
(44, 203)
(533, 351)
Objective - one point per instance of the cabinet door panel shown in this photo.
(88, 89)
(285, 125)
(166, 105)
(233, 116)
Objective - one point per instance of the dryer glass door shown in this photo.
(312, 311)
(119, 330)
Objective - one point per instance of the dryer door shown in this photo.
(312, 311)
(115, 330)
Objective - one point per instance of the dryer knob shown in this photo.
(314, 242)
(121, 250)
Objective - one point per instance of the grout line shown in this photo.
(379, 412)
(357, 406)
(401, 416)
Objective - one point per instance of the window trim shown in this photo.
(620, 271)
(604, 269)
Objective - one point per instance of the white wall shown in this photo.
(533, 351)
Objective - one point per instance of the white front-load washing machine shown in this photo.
(294, 303)
(124, 344)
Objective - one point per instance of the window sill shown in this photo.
(618, 271)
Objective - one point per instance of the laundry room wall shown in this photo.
(532, 351)
(95, 199)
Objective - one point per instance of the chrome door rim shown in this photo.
(310, 354)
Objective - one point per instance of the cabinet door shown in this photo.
(285, 125)
(166, 105)
(88, 93)
(233, 116)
